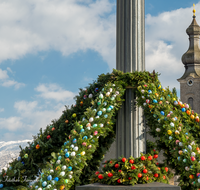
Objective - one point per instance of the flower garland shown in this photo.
(131, 171)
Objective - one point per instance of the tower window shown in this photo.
(190, 101)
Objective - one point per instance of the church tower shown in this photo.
(190, 81)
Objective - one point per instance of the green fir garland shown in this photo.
(90, 124)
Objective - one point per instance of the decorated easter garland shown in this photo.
(173, 122)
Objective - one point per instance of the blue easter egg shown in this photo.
(162, 113)
(95, 125)
(111, 107)
(36, 187)
(186, 133)
(67, 154)
(66, 143)
(183, 109)
(168, 95)
(179, 158)
(53, 182)
(94, 110)
(59, 157)
(170, 137)
(70, 168)
(93, 140)
(105, 103)
(1, 185)
(99, 103)
(66, 150)
(105, 115)
(23, 163)
(19, 158)
(99, 113)
(49, 177)
(44, 183)
(155, 101)
(190, 147)
(74, 140)
(66, 180)
(96, 90)
(149, 91)
(82, 130)
(56, 178)
(161, 98)
(165, 118)
(85, 137)
(175, 103)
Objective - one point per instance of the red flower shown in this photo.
(96, 173)
(123, 159)
(100, 176)
(110, 174)
(155, 175)
(133, 167)
(164, 177)
(143, 158)
(145, 171)
(131, 161)
(139, 175)
(116, 165)
(48, 136)
(155, 156)
(149, 158)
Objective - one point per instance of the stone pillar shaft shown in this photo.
(130, 57)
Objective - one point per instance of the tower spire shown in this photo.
(191, 59)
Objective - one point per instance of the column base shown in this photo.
(148, 186)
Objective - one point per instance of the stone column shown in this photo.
(130, 56)
(131, 134)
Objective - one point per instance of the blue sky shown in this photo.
(50, 49)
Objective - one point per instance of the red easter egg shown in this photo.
(100, 176)
(123, 159)
(131, 161)
(139, 175)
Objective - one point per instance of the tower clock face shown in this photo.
(190, 82)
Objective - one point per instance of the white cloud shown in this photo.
(9, 83)
(65, 26)
(6, 82)
(31, 118)
(1, 109)
(11, 123)
(55, 92)
(3, 74)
